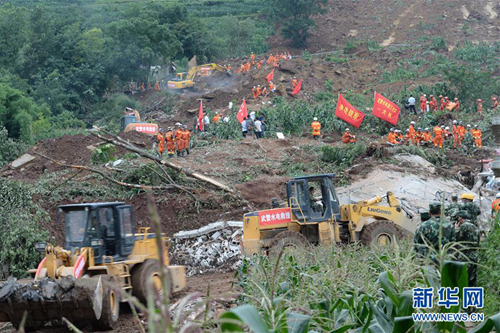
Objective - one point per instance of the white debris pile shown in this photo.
(211, 248)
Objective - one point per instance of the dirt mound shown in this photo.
(260, 191)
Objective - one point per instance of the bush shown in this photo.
(10, 149)
(342, 155)
(20, 222)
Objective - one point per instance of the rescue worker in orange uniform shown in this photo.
(423, 103)
(270, 60)
(407, 139)
(399, 136)
(316, 128)
(217, 117)
(480, 106)
(495, 103)
(461, 133)
(438, 137)
(442, 103)
(348, 137)
(418, 136)
(457, 107)
(178, 141)
(454, 131)
(294, 82)
(426, 137)
(254, 92)
(185, 137)
(392, 137)
(161, 142)
(411, 133)
(433, 103)
(169, 137)
(272, 87)
(258, 91)
(477, 135)
(252, 58)
(495, 205)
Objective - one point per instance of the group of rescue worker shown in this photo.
(423, 137)
(177, 141)
(460, 224)
(445, 104)
(273, 60)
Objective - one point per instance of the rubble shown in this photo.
(213, 247)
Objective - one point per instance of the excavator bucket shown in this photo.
(78, 300)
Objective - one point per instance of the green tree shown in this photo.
(297, 17)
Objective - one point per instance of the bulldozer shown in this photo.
(102, 262)
(313, 215)
(131, 121)
(186, 80)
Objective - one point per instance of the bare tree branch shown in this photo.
(83, 167)
(122, 143)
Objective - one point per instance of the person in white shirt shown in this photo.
(244, 128)
(206, 123)
(258, 129)
(411, 103)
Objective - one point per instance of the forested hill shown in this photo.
(58, 59)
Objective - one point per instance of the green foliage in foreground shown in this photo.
(21, 224)
(335, 289)
(9, 149)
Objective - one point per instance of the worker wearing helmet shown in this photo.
(433, 103)
(178, 140)
(478, 136)
(316, 128)
(480, 106)
(495, 205)
(495, 103)
(392, 137)
(461, 133)
(161, 142)
(447, 133)
(348, 137)
(170, 139)
(426, 137)
(457, 104)
(469, 205)
(438, 136)
(411, 134)
(418, 136)
(442, 102)
(294, 82)
(423, 103)
(185, 137)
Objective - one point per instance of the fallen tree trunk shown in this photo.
(83, 167)
(122, 143)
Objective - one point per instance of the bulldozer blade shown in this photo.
(78, 300)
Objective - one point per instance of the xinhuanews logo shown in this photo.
(448, 317)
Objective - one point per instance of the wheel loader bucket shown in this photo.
(78, 300)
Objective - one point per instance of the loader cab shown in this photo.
(313, 198)
(105, 227)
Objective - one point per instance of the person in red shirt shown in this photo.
(442, 103)
(495, 103)
(480, 106)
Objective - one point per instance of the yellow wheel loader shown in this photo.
(186, 80)
(103, 259)
(313, 215)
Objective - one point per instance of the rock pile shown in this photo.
(214, 247)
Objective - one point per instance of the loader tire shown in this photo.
(146, 279)
(380, 233)
(29, 326)
(286, 239)
(110, 310)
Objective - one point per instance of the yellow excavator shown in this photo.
(102, 261)
(186, 80)
(314, 215)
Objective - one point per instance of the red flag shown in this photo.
(200, 116)
(385, 109)
(243, 112)
(270, 76)
(348, 113)
(297, 88)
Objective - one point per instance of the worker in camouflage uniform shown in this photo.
(452, 208)
(469, 205)
(427, 234)
(468, 235)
